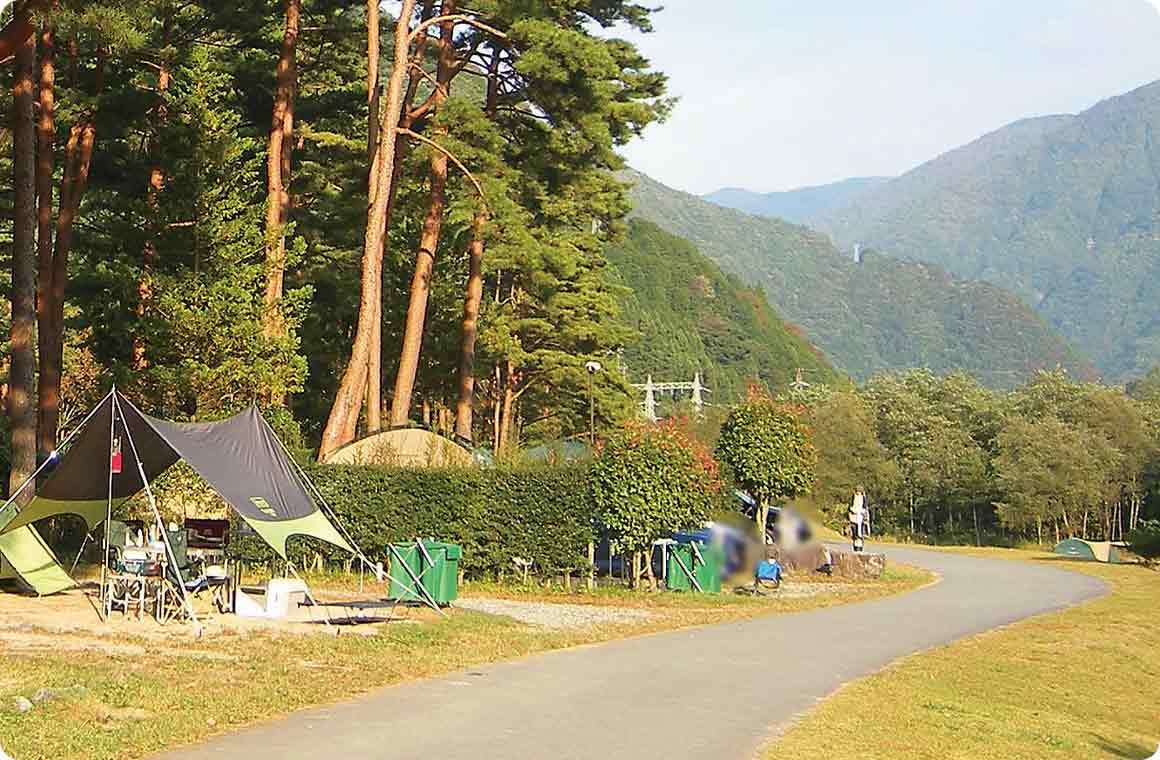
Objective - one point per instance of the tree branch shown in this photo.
(458, 18)
(425, 74)
(450, 155)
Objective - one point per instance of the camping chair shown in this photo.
(190, 576)
(125, 585)
(180, 575)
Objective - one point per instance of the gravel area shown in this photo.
(553, 615)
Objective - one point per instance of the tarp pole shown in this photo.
(52, 456)
(188, 603)
(108, 513)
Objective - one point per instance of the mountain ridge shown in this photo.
(1063, 210)
(798, 205)
(879, 315)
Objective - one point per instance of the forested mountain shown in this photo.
(799, 206)
(1063, 210)
(876, 315)
(692, 317)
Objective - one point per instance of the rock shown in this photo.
(46, 694)
(807, 559)
(859, 565)
(23, 704)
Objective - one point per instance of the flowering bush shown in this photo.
(651, 480)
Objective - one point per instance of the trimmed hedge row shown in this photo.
(541, 513)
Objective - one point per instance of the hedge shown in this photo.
(541, 513)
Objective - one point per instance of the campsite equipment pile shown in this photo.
(115, 454)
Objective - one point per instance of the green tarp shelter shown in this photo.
(24, 556)
(1092, 551)
(118, 449)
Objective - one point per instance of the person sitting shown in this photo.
(827, 566)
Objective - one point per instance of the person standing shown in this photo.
(857, 516)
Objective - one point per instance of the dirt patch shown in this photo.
(556, 616)
(77, 614)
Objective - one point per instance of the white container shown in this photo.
(284, 595)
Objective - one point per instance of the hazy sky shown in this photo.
(777, 94)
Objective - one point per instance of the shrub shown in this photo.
(651, 480)
(767, 447)
(1145, 540)
(541, 513)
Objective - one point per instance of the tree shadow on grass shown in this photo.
(1125, 749)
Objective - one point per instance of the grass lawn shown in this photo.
(1082, 683)
(149, 693)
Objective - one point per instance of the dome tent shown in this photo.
(1090, 551)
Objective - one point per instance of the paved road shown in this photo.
(705, 693)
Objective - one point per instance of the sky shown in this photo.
(778, 94)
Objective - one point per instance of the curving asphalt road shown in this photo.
(705, 693)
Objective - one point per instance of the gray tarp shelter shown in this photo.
(119, 449)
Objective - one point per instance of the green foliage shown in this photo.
(945, 459)
(691, 317)
(878, 316)
(541, 513)
(850, 456)
(767, 448)
(1145, 540)
(1061, 210)
(649, 481)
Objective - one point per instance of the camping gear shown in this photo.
(424, 571)
(281, 596)
(240, 458)
(1091, 551)
(693, 566)
(768, 571)
(25, 556)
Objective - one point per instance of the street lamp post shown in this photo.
(593, 368)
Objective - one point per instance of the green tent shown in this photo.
(1089, 551)
(24, 556)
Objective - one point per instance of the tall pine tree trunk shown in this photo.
(78, 161)
(429, 239)
(152, 201)
(21, 410)
(279, 149)
(45, 162)
(471, 304)
(375, 359)
(343, 417)
(464, 408)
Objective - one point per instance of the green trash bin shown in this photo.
(436, 564)
(677, 576)
(442, 578)
(402, 587)
(707, 562)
